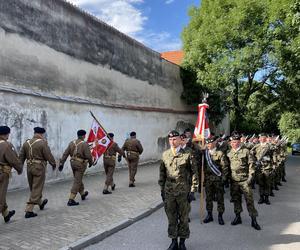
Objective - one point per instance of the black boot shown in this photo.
(113, 187)
(174, 245)
(105, 191)
(261, 200)
(271, 193)
(267, 200)
(30, 215)
(72, 203)
(208, 218)
(276, 187)
(10, 214)
(220, 219)
(237, 220)
(283, 179)
(254, 223)
(42, 206)
(182, 244)
(279, 184)
(84, 195)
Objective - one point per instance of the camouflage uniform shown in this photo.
(213, 183)
(242, 171)
(264, 154)
(133, 149)
(37, 153)
(8, 160)
(174, 180)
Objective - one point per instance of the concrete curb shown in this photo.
(101, 235)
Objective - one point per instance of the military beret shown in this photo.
(173, 133)
(211, 139)
(187, 130)
(4, 130)
(235, 137)
(183, 136)
(111, 135)
(133, 133)
(81, 132)
(39, 130)
(262, 134)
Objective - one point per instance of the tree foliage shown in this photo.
(247, 53)
(289, 125)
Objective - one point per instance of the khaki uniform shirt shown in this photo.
(133, 148)
(9, 158)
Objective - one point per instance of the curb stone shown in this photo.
(101, 234)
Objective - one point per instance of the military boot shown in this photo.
(105, 191)
(131, 185)
(272, 193)
(72, 203)
(237, 220)
(84, 195)
(174, 245)
(182, 244)
(283, 179)
(10, 214)
(261, 200)
(267, 200)
(113, 187)
(276, 187)
(208, 218)
(279, 184)
(30, 215)
(42, 206)
(220, 219)
(254, 223)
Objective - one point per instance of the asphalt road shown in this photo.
(280, 225)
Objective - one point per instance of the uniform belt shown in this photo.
(6, 169)
(171, 180)
(110, 157)
(79, 159)
(35, 161)
(133, 152)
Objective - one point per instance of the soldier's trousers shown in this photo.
(109, 171)
(282, 170)
(132, 166)
(177, 210)
(4, 180)
(36, 174)
(277, 175)
(239, 188)
(265, 183)
(213, 188)
(78, 172)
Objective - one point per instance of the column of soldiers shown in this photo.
(37, 154)
(237, 160)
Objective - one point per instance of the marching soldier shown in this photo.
(8, 160)
(264, 156)
(37, 153)
(242, 172)
(109, 162)
(134, 149)
(80, 154)
(216, 174)
(176, 168)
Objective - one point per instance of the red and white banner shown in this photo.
(98, 140)
(202, 126)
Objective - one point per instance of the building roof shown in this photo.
(175, 57)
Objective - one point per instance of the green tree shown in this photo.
(236, 49)
(289, 125)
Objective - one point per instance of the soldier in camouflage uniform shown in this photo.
(264, 157)
(176, 168)
(109, 162)
(37, 153)
(242, 171)
(133, 149)
(214, 184)
(80, 154)
(8, 160)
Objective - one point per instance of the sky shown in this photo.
(156, 23)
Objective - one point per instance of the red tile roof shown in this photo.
(173, 56)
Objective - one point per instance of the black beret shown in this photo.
(173, 133)
(211, 139)
(39, 130)
(235, 137)
(81, 132)
(133, 133)
(111, 135)
(4, 130)
(187, 130)
(183, 136)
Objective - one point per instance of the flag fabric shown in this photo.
(98, 140)
(202, 126)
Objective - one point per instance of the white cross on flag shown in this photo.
(98, 140)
